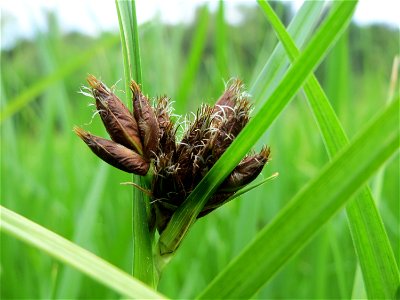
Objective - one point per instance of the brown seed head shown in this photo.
(114, 154)
(116, 117)
(178, 167)
(146, 120)
(179, 170)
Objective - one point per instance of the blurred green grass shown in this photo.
(49, 176)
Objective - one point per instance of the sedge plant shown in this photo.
(144, 143)
(215, 150)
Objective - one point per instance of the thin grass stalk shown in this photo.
(143, 266)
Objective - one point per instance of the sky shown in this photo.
(22, 18)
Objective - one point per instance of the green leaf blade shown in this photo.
(79, 258)
(371, 242)
(300, 28)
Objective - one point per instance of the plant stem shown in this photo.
(143, 266)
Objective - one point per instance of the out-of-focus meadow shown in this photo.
(49, 175)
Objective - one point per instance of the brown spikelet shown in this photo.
(198, 133)
(225, 135)
(191, 154)
(167, 143)
(230, 119)
(162, 113)
(116, 117)
(146, 120)
(224, 107)
(247, 170)
(115, 154)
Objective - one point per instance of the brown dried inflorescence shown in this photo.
(134, 137)
(148, 137)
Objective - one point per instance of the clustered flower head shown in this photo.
(147, 137)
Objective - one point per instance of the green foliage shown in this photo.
(48, 176)
(309, 210)
(372, 246)
(187, 213)
(75, 256)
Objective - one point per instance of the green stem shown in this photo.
(126, 11)
(143, 265)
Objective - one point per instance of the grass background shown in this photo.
(49, 176)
